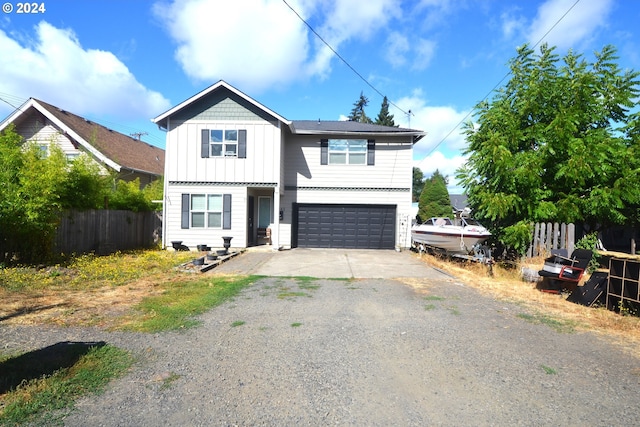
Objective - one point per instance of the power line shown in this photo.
(501, 80)
(340, 56)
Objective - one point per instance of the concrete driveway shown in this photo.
(330, 263)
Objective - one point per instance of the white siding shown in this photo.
(205, 236)
(262, 164)
(392, 168)
(387, 182)
(39, 131)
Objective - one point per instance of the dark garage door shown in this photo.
(345, 226)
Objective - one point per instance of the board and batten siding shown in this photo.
(261, 165)
(205, 236)
(392, 168)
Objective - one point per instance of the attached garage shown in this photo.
(344, 226)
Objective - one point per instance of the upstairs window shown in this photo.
(223, 143)
(347, 151)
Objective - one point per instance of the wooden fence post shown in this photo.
(571, 238)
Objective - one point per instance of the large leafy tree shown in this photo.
(36, 186)
(551, 145)
(434, 199)
(30, 188)
(85, 186)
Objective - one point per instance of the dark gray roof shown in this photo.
(458, 201)
(335, 126)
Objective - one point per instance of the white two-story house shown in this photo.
(236, 168)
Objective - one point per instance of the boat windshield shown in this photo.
(441, 221)
(471, 221)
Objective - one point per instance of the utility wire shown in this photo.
(500, 82)
(15, 99)
(341, 58)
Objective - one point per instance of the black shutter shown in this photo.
(226, 211)
(185, 211)
(371, 152)
(324, 151)
(242, 144)
(204, 143)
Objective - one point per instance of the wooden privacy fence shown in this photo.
(107, 231)
(547, 236)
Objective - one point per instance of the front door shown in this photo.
(250, 229)
(264, 212)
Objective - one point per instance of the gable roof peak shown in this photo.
(161, 120)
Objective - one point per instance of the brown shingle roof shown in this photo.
(126, 151)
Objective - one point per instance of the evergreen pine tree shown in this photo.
(434, 199)
(384, 118)
(357, 113)
(418, 184)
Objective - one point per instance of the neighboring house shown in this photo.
(44, 124)
(459, 204)
(236, 168)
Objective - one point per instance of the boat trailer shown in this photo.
(479, 253)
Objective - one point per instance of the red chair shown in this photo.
(563, 272)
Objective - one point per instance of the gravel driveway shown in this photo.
(359, 352)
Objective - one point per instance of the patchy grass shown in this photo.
(175, 308)
(454, 310)
(286, 293)
(238, 323)
(506, 284)
(139, 290)
(91, 271)
(37, 395)
(168, 380)
(563, 326)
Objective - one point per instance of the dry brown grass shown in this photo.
(506, 284)
(74, 307)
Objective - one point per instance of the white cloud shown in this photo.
(441, 123)
(425, 50)
(440, 148)
(512, 24)
(55, 67)
(251, 44)
(578, 25)
(447, 166)
(255, 44)
(395, 49)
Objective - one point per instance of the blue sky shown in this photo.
(121, 62)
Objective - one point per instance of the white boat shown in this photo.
(455, 238)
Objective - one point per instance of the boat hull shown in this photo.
(453, 239)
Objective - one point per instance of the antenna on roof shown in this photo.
(409, 114)
(138, 135)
